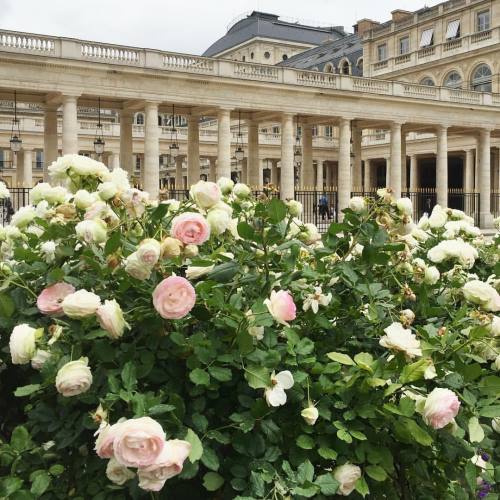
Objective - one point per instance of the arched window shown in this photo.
(360, 65)
(345, 69)
(453, 80)
(328, 68)
(139, 119)
(244, 58)
(481, 78)
(159, 121)
(427, 81)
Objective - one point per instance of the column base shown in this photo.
(486, 220)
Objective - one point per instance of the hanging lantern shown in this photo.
(239, 152)
(174, 147)
(297, 152)
(99, 140)
(15, 138)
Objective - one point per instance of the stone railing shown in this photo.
(71, 49)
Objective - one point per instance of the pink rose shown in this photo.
(174, 297)
(105, 439)
(281, 306)
(441, 407)
(190, 228)
(138, 442)
(167, 465)
(50, 299)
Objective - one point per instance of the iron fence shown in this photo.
(319, 207)
(19, 197)
(495, 204)
(174, 194)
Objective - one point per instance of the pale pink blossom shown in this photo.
(281, 306)
(190, 228)
(275, 395)
(50, 299)
(441, 407)
(174, 297)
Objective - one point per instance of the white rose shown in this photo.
(311, 234)
(218, 220)
(111, 319)
(494, 326)
(118, 473)
(4, 191)
(423, 223)
(80, 304)
(458, 249)
(346, 475)
(495, 424)
(83, 199)
(39, 359)
(85, 166)
(23, 216)
(431, 275)
(254, 331)
(226, 185)
(482, 294)
(242, 191)
(407, 316)
(91, 231)
(107, 190)
(294, 208)
(74, 378)
(191, 250)
(400, 339)
(119, 178)
(48, 249)
(310, 415)
(173, 205)
(136, 268)
(135, 201)
(438, 217)
(149, 251)
(419, 234)
(205, 194)
(195, 272)
(405, 206)
(22, 344)
(357, 204)
(384, 194)
(39, 192)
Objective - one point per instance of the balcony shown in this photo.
(426, 52)
(402, 59)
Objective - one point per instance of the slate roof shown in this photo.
(329, 52)
(261, 24)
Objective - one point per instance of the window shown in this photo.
(483, 20)
(453, 80)
(328, 131)
(404, 45)
(244, 58)
(159, 121)
(284, 57)
(315, 131)
(139, 119)
(481, 78)
(382, 52)
(453, 30)
(39, 159)
(299, 131)
(267, 54)
(251, 55)
(345, 68)
(360, 65)
(276, 129)
(137, 162)
(328, 68)
(427, 38)
(427, 81)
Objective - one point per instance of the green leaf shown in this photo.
(409, 431)
(224, 272)
(305, 442)
(470, 476)
(376, 472)
(327, 453)
(20, 439)
(129, 377)
(364, 360)
(476, 432)
(220, 374)
(358, 435)
(40, 484)
(212, 481)
(490, 385)
(196, 446)
(26, 390)
(10, 485)
(246, 231)
(328, 484)
(199, 377)
(56, 469)
(113, 243)
(7, 306)
(341, 358)
(210, 459)
(257, 377)
(305, 472)
(307, 492)
(344, 435)
(414, 371)
(362, 487)
(276, 210)
(160, 409)
(490, 411)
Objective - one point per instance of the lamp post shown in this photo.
(174, 147)
(99, 140)
(239, 152)
(15, 139)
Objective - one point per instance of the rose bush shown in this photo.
(220, 348)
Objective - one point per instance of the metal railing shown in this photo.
(19, 197)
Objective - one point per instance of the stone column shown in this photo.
(357, 182)
(27, 167)
(179, 174)
(212, 172)
(469, 171)
(344, 166)
(70, 125)
(485, 216)
(387, 172)
(307, 177)
(368, 175)
(224, 144)
(495, 172)
(287, 187)
(442, 166)
(413, 172)
(404, 180)
(253, 163)
(274, 172)
(126, 141)
(151, 171)
(244, 171)
(328, 167)
(193, 147)
(319, 175)
(395, 172)
(114, 161)
(50, 147)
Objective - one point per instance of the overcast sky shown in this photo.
(178, 25)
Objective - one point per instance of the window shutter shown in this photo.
(426, 38)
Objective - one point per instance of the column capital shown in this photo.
(151, 104)
(397, 124)
(51, 107)
(486, 130)
(442, 128)
(70, 96)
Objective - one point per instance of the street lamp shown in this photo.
(297, 153)
(15, 139)
(174, 147)
(239, 152)
(99, 141)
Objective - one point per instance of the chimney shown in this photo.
(400, 15)
(364, 25)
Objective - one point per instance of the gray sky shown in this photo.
(177, 25)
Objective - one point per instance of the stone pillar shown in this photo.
(344, 166)
(27, 167)
(307, 177)
(413, 173)
(368, 175)
(442, 166)
(126, 141)
(253, 178)
(485, 216)
(224, 144)
(404, 180)
(319, 175)
(244, 171)
(151, 171)
(469, 171)
(70, 125)
(274, 172)
(179, 174)
(212, 171)
(329, 173)
(357, 181)
(193, 149)
(495, 172)
(114, 161)
(287, 181)
(395, 172)
(387, 172)
(50, 147)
